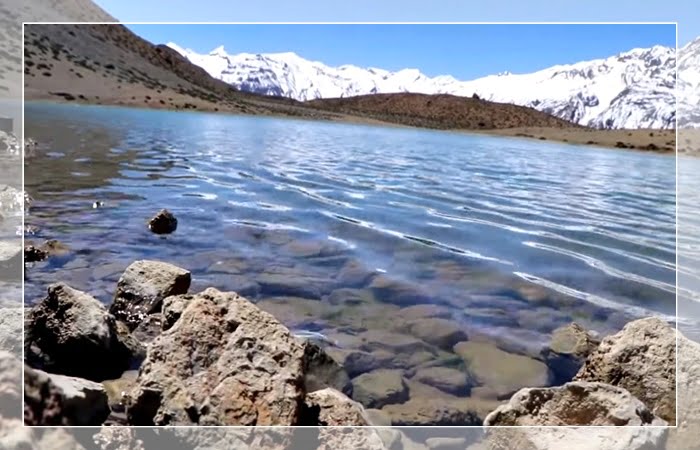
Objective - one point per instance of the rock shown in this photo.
(329, 407)
(142, 288)
(642, 359)
(503, 372)
(222, 362)
(69, 328)
(569, 348)
(394, 342)
(10, 384)
(357, 362)
(149, 328)
(354, 274)
(321, 371)
(685, 435)
(442, 333)
(378, 418)
(118, 438)
(577, 438)
(421, 411)
(43, 400)
(164, 222)
(575, 403)
(11, 330)
(118, 389)
(33, 253)
(82, 402)
(348, 296)
(287, 284)
(173, 307)
(425, 311)
(398, 292)
(380, 387)
(444, 443)
(446, 379)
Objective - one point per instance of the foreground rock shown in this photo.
(10, 384)
(575, 403)
(11, 329)
(142, 288)
(59, 400)
(329, 407)
(71, 333)
(164, 222)
(221, 361)
(642, 359)
(568, 350)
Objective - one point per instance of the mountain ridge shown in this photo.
(633, 89)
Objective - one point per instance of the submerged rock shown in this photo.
(33, 253)
(380, 387)
(71, 333)
(442, 333)
(504, 373)
(164, 222)
(568, 350)
(642, 359)
(142, 288)
(575, 403)
(223, 361)
(452, 381)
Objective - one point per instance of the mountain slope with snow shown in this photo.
(634, 89)
(689, 85)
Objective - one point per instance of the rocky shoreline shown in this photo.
(159, 355)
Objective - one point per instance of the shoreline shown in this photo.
(642, 140)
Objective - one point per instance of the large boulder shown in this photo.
(142, 288)
(577, 438)
(575, 403)
(380, 387)
(52, 399)
(223, 361)
(329, 407)
(641, 358)
(568, 350)
(69, 332)
(685, 435)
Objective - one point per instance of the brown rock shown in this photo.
(224, 361)
(452, 381)
(442, 333)
(642, 359)
(575, 403)
(43, 402)
(142, 288)
(164, 222)
(568, 350)
(329, 407)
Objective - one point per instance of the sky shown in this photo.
(685, 12)
(463, 51)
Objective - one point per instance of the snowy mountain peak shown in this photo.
(633, 89)
(219, 51)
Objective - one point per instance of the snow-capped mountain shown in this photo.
(689, 85)
(634, 89)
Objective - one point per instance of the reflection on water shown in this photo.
(337, 229)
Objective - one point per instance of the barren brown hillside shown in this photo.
(442, 111)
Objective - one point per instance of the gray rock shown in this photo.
(69, 328)
(685, 436)
(398, 292)
(642, 359)
(380, 387)
(576, 403)
(422, 411)
(11, 330)
(354, 274)
(142, 288)
(568, 350)
(43, 400)
(329, 407)
(287, 284)
(164, 222)
(452, 381)
(425, 311)
(83, 402)
(357, 362)
(10, 384)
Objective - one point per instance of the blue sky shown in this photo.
(464, 51)
(685, 12)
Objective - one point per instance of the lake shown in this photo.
(362, 236)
